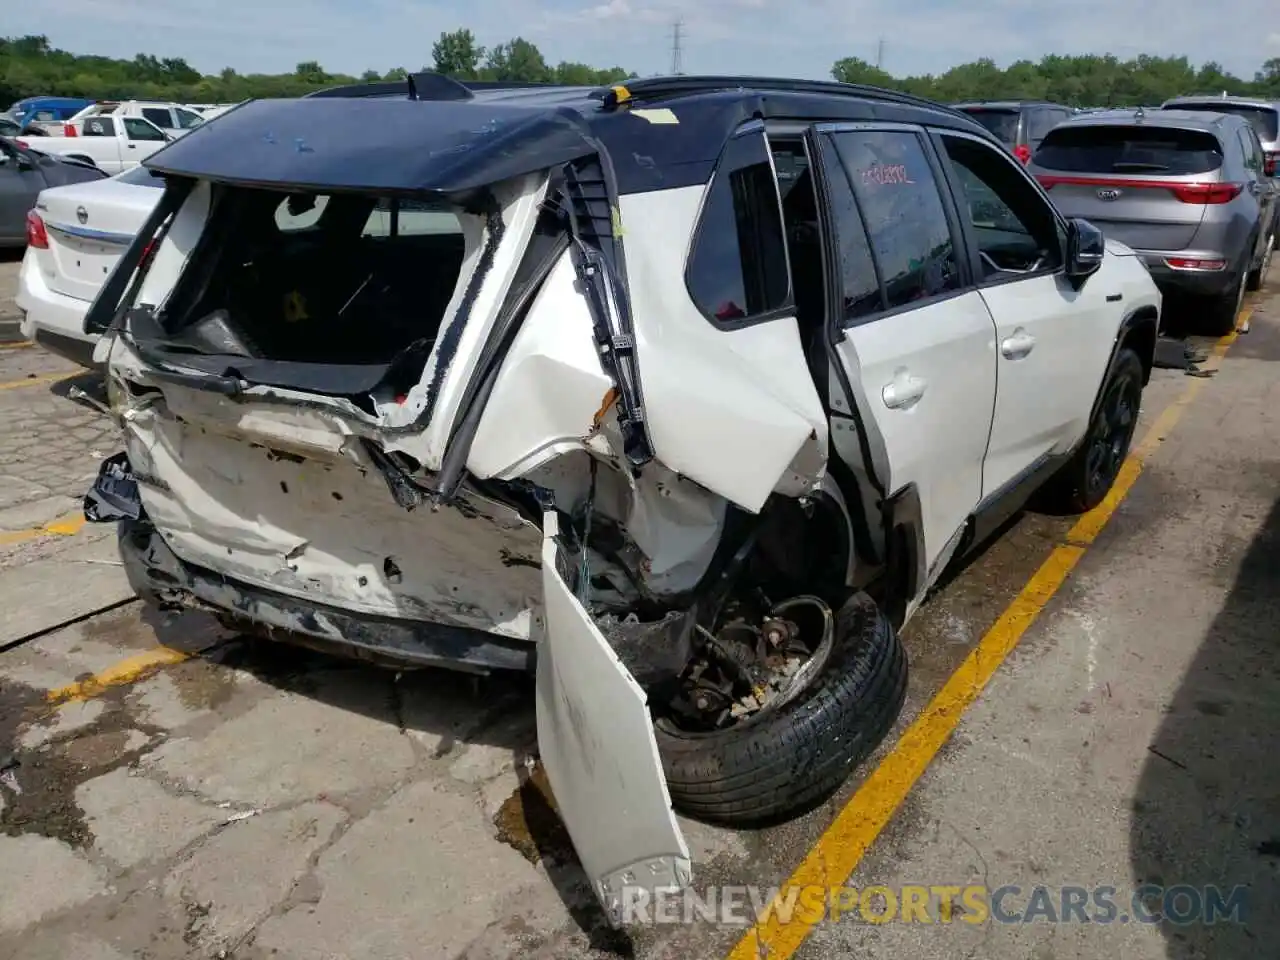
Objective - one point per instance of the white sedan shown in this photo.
(75, 236)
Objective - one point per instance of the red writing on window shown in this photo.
(882, 174)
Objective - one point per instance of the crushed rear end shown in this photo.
(303, 347)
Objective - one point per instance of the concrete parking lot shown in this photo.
(1092, 704)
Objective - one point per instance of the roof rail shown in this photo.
(425, 85)
(650, 88)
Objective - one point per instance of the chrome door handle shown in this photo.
(1018, 345)
(902, 391)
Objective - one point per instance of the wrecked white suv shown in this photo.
(681, 394)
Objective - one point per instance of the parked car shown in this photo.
(173, 119)
(699, 434)
(1264, 115)
(45, 114)
(113, 144)
(1185, 189)
(1019, 124)
(76, 235)
(23, 174)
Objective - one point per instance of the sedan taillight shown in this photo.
(37, 236)
(1269, 163)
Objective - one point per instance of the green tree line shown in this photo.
(31, 66)
(1082, 81)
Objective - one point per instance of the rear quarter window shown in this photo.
(1264, 120)
(1121, 149)
(1002, 123)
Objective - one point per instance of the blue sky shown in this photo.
(797, 38)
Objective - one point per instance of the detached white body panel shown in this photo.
(596, 739)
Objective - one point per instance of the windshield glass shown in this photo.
(1266, 121)
(1129, 149)
(188, 119)
(1002, 123)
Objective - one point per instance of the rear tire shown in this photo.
(1258, 278)
(1225, 309)
(784, 762)
(1092, 470)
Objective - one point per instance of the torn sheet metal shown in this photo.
(735, 410)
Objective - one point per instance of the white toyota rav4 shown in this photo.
(681, 394)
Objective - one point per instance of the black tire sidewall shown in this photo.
(783, 761)
(1081, 498)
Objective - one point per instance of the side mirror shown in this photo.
(1086, 247)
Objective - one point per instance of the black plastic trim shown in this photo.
(834, 329)
(1000, 505)
(281, 617)
(906, 564)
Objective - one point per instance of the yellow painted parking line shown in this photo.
(840, 848)
(39, 379)
(126, 671)
(67, 526)
(17, 345)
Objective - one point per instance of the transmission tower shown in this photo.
(880, 54)
(677, 48)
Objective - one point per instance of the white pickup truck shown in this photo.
(172, 118)
(113, 144)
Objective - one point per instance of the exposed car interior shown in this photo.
(348, 279)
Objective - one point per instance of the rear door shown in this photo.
(1259, 184)
(915, 340)
(103, 142)
(142, 138)
(1137, 183)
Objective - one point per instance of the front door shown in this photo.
(913, 336)
(19, 184)
(1053, 341)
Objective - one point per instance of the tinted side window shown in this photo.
(158, 116)
(859, 283)
(1014, 228)
(1041, 120)
(137, 129)
(738, 265)
(1253, 150)
(910, 236)
(99, 127)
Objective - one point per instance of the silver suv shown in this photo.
(1187, 190)
(1263, 115)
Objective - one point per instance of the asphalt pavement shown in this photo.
(1092, 706)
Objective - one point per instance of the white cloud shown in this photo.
(779, 37)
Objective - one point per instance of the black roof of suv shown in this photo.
(372, 135)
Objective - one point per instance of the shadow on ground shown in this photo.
(456, 709)
(1207, 809)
